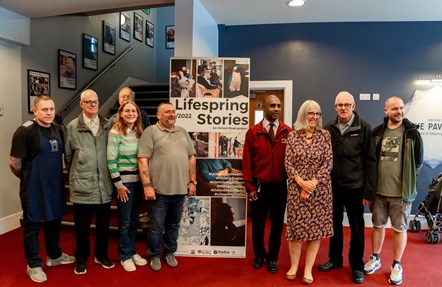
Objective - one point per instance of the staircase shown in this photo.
(148, 97)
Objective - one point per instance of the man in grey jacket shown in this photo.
(89, 180)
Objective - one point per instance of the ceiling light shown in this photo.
(296, 3)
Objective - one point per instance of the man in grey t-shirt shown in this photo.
(399, 151)
(167, 165)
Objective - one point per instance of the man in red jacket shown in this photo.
(266, 181)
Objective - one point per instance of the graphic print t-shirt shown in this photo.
(390, 163)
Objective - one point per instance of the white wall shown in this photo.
(11, 100)
(196, 32)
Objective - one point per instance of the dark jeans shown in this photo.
(83, 214)
(165, 216)
(351, 200)
(129, 213)
(31, 243)
(272, 199)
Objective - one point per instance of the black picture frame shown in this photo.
(39, 83)
(124, 27)
(90, 52)
(67, 70)
(170, 37)
(150, 34)
(109, 38)
(138, 27)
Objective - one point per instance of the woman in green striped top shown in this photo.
(123, 167)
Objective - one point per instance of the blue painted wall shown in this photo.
(325, 58)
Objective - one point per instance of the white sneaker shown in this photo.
(395, 275)
(63, 259)
(36, 274)
(138, 260)
(372, 265)
(128, 265)
(155, 264)
(171, 261)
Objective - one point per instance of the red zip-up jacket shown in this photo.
(263, 158)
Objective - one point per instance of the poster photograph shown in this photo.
(109, 38)
(138, 27)
(170, 37)
(237, 78)
(125, 27)
(90, 52)
(67, 70)
(38, 84)
(150, 34)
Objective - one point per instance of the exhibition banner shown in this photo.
(211, 97)
(423, 109)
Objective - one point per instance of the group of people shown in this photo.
(124, 154)
(345, 165)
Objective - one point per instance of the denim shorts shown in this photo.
(393, 207)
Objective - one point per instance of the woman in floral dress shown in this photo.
(308, 162)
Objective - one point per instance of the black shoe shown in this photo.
(106, 263)
(80, 268)
(328, 266)
(258, 262)
(272, 266)
(357, 276)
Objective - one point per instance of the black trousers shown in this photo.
(272, 199)
(83, 214)
(351, 200)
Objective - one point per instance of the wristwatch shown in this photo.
(194, 182)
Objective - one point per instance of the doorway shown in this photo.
(281, 89)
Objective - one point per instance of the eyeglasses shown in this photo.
(91, 102)
(347, 106)
(312, 114)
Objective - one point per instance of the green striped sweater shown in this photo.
(122, 157)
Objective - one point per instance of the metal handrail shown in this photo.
(88, 85)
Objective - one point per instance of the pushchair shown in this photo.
(431, 210)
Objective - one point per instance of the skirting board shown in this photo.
(10, 222)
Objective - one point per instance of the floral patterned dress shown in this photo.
(313, 218)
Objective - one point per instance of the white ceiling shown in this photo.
(239, 12)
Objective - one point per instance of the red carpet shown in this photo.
(421, 262)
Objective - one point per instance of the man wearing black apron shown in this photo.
(36, 158)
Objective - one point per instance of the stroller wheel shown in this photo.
(414, 225)
(432, 237)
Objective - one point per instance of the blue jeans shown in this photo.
(165, 216)
(129, 213)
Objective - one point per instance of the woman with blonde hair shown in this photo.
(308, 162)
(123, 167)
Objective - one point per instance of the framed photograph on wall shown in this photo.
(138, 27)
(109, 38)
(90, 52)
(38, 84)
(170, 37)
(125, 27)
(67, 70)
(149, 34)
